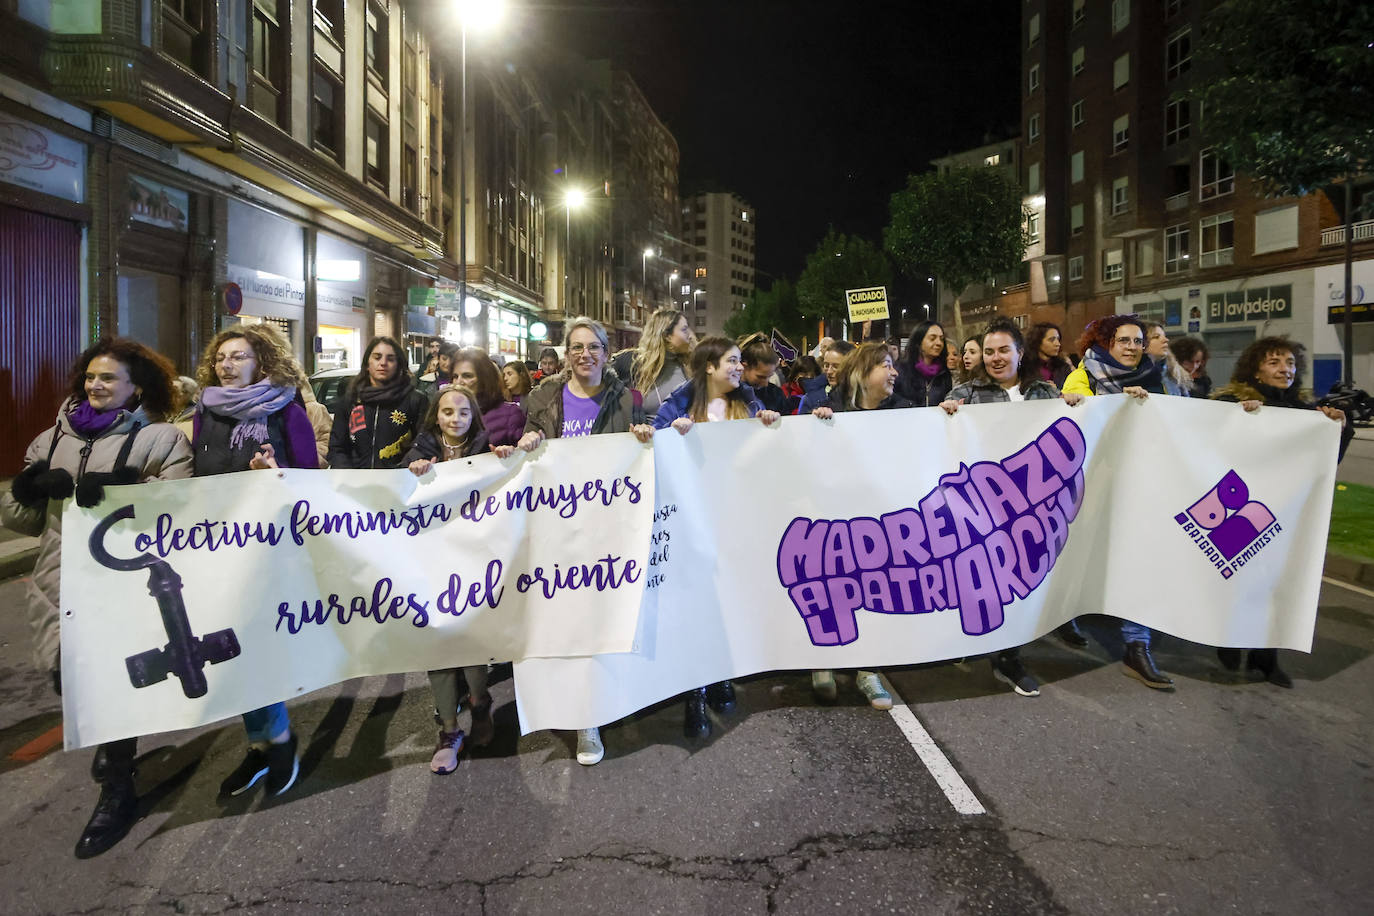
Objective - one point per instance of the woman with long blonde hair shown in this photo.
(658, 367)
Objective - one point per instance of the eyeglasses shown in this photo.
(1130, 341)
(593, 349)
(239, 357)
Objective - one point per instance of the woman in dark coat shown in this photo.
(377, 421)
(504, 420)
(1044, 354)
(1269, 374)
(923, 376)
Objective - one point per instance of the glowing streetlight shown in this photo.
(644, 271)
(573, 199)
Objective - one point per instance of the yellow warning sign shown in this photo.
(867, 304)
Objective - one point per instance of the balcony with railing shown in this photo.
(1177, 202)
(1363, 232)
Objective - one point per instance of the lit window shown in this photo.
(1217, 178)
(1076, 113)
(1033, 228)
(1076, 167)
(1077, 61)
(1121, 133)
(1217, 237)
(1076, 219)
(701, 271)
(1121, 15)
(994, 159)
(1121, 71)
(1111, 265)
(1034, 128)
(1079, 14)
(1034, 29)
(1033, 177)
(1176, 240)
(1121, 196)
(1076, 268)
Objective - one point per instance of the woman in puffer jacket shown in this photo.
(111, 430)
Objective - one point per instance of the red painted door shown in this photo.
(40, 324)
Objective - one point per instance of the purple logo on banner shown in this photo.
(985, 536)
(1227, 526)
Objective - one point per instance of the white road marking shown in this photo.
(1346, 585)
(948, 778)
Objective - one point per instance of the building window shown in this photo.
(1176, 249)
(268, 83)
(701, 271)
(1076, 114)
(1217, 178)
(329, 17)
(1177, 120)
(1033, 130)
(1034, 30)
(1178, 54)
(994, 159)
(1034, 81)
(1033, 227)
(1076, 268)
(1121, 196)
(1217, 238)
(1121, 133)
(1121, 71)
(1172, 8)
(1112, 268)
(1079, 14)
(184, 35)
(1033, 177)
(375, 43)
(1076, 167)
(410, 178)
(327, 111)
(1143, 257)
(1076, 219)
(1121, 15)
(374, 139)
(1076, 62)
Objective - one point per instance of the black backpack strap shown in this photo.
(127, 448)
(52, 448)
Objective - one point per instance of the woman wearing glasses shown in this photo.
(251, 417)
(584, 400)
(377, 422)
(1114, 362)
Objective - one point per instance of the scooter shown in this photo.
(1356, 402)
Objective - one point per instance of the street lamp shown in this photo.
(482, 16)
(644, 273)
(572, 199)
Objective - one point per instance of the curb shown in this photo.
(20, 562)
(1349, 569)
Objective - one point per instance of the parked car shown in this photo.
(329, 386)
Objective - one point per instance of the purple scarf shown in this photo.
(929, 370)
(251, 406)
(89, 422)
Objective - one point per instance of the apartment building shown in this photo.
(1136, 214)
(717, 278)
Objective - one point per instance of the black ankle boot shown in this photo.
(1266, 662)
(1141, 666)
(1229, 658)
(721, 697)
(115, 813)
(695, 723)
(1072, 635)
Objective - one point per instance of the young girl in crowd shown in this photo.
(376, 422)
(865, 382)
(251, 417)
(453, 428)
(112, 429)
(714, 393)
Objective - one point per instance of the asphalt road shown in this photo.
(1101, 796)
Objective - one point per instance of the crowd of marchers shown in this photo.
(128, 418)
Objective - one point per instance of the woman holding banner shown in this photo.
(112, 429)
(1007, 377)
(584, 400)
(865, 382)
(923, 378)
(376, 422)
(1114, 362)
(1268, 373)
(714, 393)
(252, 417)
(658, 367)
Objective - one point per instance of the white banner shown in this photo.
(190, 601)
(909, 536)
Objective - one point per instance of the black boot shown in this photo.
(1229, 658)
(1141, 666)
(1072, 635)
(695, 723)
(117, 809)
(1266, 662)
(721, 697)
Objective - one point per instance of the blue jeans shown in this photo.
(266, 723)
(1134, 632)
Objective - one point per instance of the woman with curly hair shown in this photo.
(658, 366)
(1044, 359)
(381, 412)
(1269, 374)
(504, 419)
(112, 429)
(251, 416)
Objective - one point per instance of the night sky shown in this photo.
(813, 112)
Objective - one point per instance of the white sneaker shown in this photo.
(823, 685)
(589, 747)
(871, 686)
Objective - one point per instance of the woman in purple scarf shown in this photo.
(922, 375)
(111, 430)
(251, 416)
